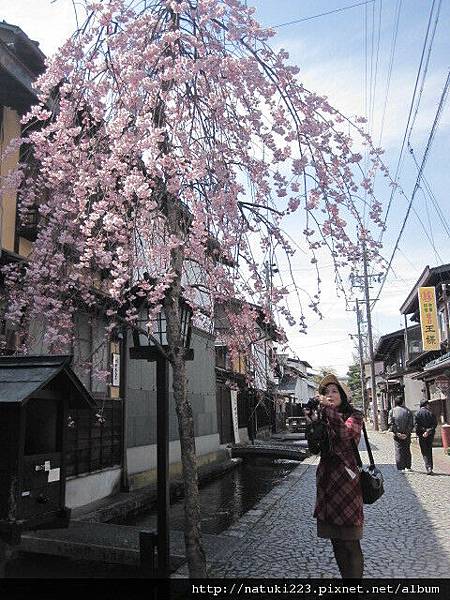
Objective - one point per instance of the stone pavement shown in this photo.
(407, 532)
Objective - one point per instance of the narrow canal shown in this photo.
(224, 500)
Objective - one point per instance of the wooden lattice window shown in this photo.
(93, 445)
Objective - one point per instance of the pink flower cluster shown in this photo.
(181, 102)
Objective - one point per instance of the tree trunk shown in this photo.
(192, 533)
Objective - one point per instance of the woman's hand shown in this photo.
(311, 417)
(324, 402)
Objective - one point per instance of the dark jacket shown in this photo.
(401, 420)
(425, 419)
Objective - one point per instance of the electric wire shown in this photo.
(431, 196)
(330, 12)
(411, 107)
(419, 176)
(376, 66)
(425, 70)
(398, 9)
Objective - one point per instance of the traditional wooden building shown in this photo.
(246, 389)
(397, 354)
(433, 367)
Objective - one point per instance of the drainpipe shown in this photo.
(124, 482)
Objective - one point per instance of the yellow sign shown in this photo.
(428, 319)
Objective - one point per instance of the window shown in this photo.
(8, 337)
(221, 357)
(415, 347)
(92, 445)
(442, 327)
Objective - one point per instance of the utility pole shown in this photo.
(361, 360)
(370, 338)
(446, 316)
(269, 269)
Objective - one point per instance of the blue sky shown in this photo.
(332, 52)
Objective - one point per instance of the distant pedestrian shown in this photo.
(426, 424)
(401, 423)
(339, 505)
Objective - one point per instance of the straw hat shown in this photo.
(330, 378)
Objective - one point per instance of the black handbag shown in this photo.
(372, 481)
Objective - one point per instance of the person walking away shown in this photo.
(426, 424)
(339, 504)
(401, 423)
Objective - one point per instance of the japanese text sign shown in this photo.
(428, 319)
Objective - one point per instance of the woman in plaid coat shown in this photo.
(339, 504)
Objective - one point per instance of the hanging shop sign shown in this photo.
(115, 380)
(428, 319)
(234, 415)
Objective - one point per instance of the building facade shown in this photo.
(408, 370)
(396, 355)
(433, 367)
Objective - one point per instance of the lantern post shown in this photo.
(153, 347)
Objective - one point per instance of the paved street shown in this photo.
(406, 532)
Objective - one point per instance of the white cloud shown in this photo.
(48, 23)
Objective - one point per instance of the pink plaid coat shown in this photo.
(339, 496)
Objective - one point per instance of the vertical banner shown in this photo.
(234, 416)
(115, 379)
(428, 319)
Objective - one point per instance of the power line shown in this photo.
(419, 176)
(330, 12)
(413, 99)
(432, 197)
(326, 343)
(376, 65)
(398, 9)
(428, 235)
(425, 70)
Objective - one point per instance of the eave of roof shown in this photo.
(23, 376)
(427, 277)
(386, 343)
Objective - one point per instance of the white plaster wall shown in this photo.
(143, 458)
(87, 488)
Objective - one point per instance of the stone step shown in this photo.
(109, 543)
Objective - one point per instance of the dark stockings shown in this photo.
(349, 558)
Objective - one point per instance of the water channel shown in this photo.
(223, 501)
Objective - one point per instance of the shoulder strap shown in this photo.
(369, 449)
(357, 455)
